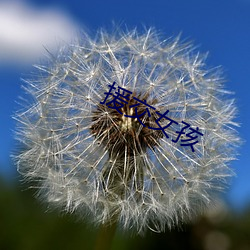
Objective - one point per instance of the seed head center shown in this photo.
(126, 123)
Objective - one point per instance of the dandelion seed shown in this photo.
(113, 163)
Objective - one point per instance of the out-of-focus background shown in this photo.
(29, 28)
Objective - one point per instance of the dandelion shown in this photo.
(128, 163)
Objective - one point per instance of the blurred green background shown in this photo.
(27, 225)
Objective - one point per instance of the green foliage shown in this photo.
(25, 226)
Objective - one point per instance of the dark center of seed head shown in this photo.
(125, 135)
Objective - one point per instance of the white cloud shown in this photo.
(25, 31)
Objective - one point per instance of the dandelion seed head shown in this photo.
(89, 158)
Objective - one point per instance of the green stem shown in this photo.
(105, 236)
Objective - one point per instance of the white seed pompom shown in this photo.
(128, 163)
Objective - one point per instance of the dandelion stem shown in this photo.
(105, 236)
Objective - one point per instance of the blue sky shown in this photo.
(221, 27)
